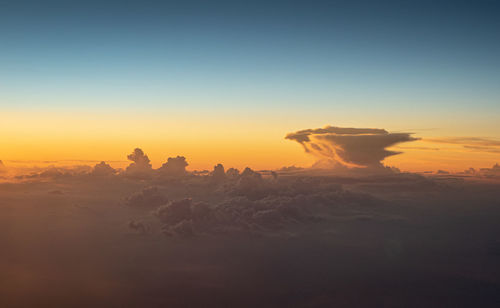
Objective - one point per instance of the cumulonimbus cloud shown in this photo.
(352, 147)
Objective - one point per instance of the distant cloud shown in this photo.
(290, 169)
(175, 166)
(417, 148)
(103, 169)
(140, 166)
(353, 147)
(232, 173)
(138, 226)
(218, 174)
(491, 172)
(483, 149)
(465, 140)
(148, 197)
(471, 143)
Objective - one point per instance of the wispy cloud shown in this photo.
(478, 144)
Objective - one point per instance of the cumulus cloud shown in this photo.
(352, 147)
(138, 226)
(103, 169)
(232, 173)
(218, 174)
(54, 173)
(3, 169)
(147, 197)
(250, 184)
(175, 166)
(180, 216)
(276, 207)
(140, 166)
(491, 172)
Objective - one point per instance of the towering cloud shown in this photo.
(140, 165)
(352, 147)
(218, 174)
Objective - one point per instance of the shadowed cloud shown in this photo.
(352, 147)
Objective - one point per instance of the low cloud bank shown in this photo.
(252, 204)
(493, 172)
(147, 197)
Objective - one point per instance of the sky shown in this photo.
(225, 81)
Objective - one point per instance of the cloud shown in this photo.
(465, 140)
(278, 206)
(249, 184)
(232, 173)
(352, 147)
(3, 169)
(138, 226)
(290, 169)
(491, 172)
(140, 166)
(417, 148)
(56, 192)
(483, 149)
(54, 173)
(175, 166)
(218, 174)
(103, 169)
(477, 144)
(147, 197)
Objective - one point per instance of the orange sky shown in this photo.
(204, 139)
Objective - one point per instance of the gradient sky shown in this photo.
(224, 81)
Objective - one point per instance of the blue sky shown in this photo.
(249, 55)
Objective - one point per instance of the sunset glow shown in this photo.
(276, 153)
